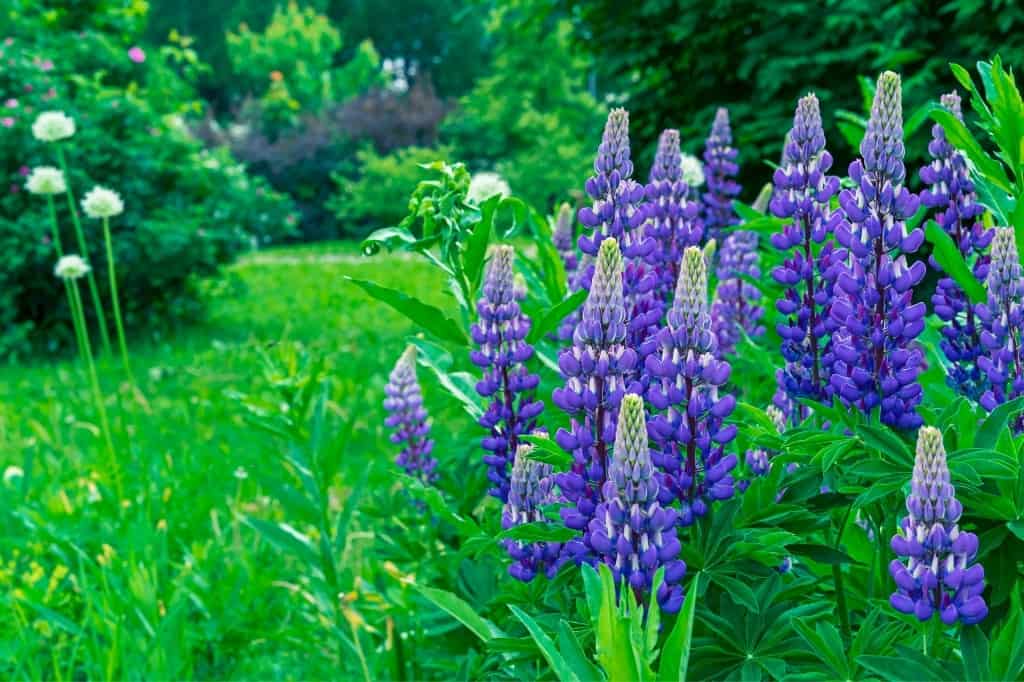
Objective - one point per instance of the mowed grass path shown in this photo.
(172, 583)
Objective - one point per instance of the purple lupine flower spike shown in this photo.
(595, 369)
(563, 238)
(408, 418)
(580, 279)
(674, 222)
(1002, 319)
(619, 211)
(502, 354)
(759, 459)
(686, 376)
(938, 575)
(530, 489)
(803, 190)
(631, 532)
(957, 211)
(720, 171)
(737, 307)
(877, 361)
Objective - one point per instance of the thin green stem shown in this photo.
(115, 301)
(94, 291)
(54, 229)
(837, 577)
(78, 314)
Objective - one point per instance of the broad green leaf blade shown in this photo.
(823, 554)
(538, 531)
(995, 422)
(476, 247)
(461, 385)
(428, 317)
(614, 648)
(286, 539)
(962, 139)
(555, 315)
(547, 451)
(461, 611)
(974, 646)
(948, 256)
(574, 655)
(675, 655)
(546, 646)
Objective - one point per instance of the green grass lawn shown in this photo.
(171, 582)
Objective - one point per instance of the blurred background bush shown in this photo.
(250, 121)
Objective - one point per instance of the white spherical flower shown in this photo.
(483, 186)
(51, 126)
(46, 180)
(100, 202)
(71, 267)
(12, 474)
(693, 170)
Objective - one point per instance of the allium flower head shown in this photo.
(71, 267)
(100, 202)
(938, 575)
(951, 196)
(720, 170)
(483, 186)
(693, 171)
(52, 126)
(501, 354)
(631, 532)
(876, 360)
(46, 180)
(1002, 321)
(531, 488)
(408, 419)
(737, 308)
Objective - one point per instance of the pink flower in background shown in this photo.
(28, 87)
(8, 41)
(137, 55)
(24, 170)
(47, 65)
(11, 103)
(50, 94)
(7, 121)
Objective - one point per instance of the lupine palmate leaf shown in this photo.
(675, 656)
(547, 647)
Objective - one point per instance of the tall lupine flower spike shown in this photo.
(686, 375)
(502, 354)
(737, 307)
(1002, 319)
(619, 211)
(531, 488)
(720, 170)
(957, 211)
(803, 190)
(674, 222)
(595, 368)
(877, 362)
(408, 418)
(563, 238)
(631, 532)
(938, 575)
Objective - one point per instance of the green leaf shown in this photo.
(547, 451)
(974, 647)
(574, 655)
(826, 644)
(555, 315)
(428, 317)
(476, 246)
(615, 651)
(538, 531)
(546, 646)
(952, 262)
(675, 655)
(461, 611)
(995, 422)
(461, 385)
(883, 440)
(957, 133)
(823, 554)
(738, 590)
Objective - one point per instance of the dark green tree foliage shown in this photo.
(680, 59)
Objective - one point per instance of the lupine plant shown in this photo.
(1002, 321)
(531, 488)
(408, 419)
(737, 308)
(720, 171)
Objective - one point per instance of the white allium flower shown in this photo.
(100, 202)
(12, 473)
(71, 267)
(51, 126)
(693, 170)
(46, 180)
(483, 186)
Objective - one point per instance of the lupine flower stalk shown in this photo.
(957, 211)
(563, 238)
(408, 419)
(502, 353)
(720, 170)
(595, 369)
(1002, 320)
(686, 375)
(803, 190)
(737, 307)
(938, 575)
(531, 488)
(631, 532)
(877, 362)
(619, 211)
(674, 222)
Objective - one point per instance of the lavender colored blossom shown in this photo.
(720, 171)
(530, 489)
(938, 575)
(595, 369)
(686, 375)
(957, 211)
(877, 361)
(631, 532)
(803, 190)
(674, 222)
(737, 307)
(563, 238)
(408, 418)
(1002, 320)
(502, 354)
